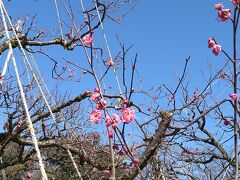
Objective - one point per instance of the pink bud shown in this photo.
(110, 63)
(226, 122)
(211, 42)
(195, 95)
(108, 121)
(234, 96)
(216, 49)
(110, 133)
(96, 89)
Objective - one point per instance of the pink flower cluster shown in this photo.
(216, 48)
(88, 39)
(100, 102)
(223, 14)
(96, 115)
(128, 115)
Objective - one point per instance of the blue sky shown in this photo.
(164, 33)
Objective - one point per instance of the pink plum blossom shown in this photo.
(234, 96)
(211, 42)
(87, 39)
(95, 116)
(95, 96)
(128, 115)
(216, 49)
(224, 14)
(219, 6)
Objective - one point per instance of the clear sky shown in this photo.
(164, 33)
